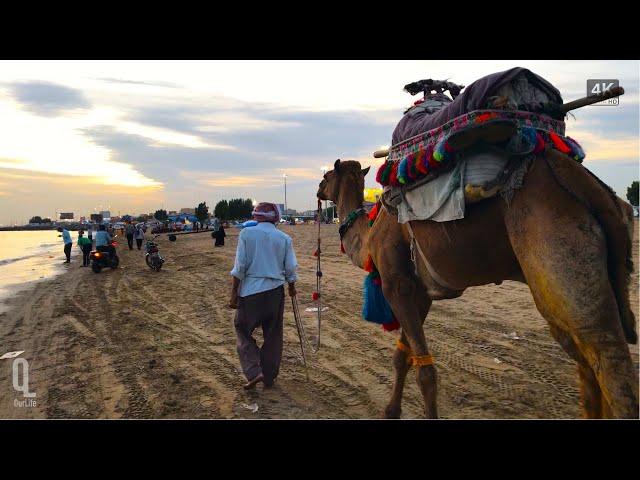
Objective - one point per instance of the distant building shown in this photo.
(188, 211)
(66, 216)
(96, 217)
(106, 215)
(172, 212)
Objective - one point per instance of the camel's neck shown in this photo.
(356, 238)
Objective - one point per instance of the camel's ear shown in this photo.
(365, 171)
(336, 166)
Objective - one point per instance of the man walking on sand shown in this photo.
(130, 231)
(265, 260)
(68, 243)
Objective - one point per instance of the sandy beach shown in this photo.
(133, 343)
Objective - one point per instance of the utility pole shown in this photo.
(284, 175)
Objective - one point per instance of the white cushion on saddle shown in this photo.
(442, 199)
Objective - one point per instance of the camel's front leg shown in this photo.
(410, 306)
(401, 367)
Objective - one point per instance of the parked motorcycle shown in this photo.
(152, 255)
(103, 258)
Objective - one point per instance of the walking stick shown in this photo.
(300, 329)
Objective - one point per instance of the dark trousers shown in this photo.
(263, 309)
(86, 250)
(139, 243)
(67, 251)
(130, 240)
(219, 236)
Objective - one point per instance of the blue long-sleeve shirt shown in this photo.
(102, 238)
(264, 259)
(66, 236)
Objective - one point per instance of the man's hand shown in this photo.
(233, 301)
(235, 288)
(292, 290)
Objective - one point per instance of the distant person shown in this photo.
(103, 241)
(68, 243)
(139, 235)
(215, 224)
(196, 226)
(219, 236)
(85, 245)
(265, 260)
(130, 231)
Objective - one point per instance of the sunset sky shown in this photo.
(136, 136)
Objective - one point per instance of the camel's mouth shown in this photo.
(321, 195)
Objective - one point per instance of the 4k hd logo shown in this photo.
(598, 86)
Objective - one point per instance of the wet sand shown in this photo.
(133, 343)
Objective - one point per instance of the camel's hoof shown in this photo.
(392, 412)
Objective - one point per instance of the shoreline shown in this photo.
(15, 290)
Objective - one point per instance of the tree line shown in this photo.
(234, 209)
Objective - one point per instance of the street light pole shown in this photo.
(284, 175)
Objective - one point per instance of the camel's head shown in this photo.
(347, 174)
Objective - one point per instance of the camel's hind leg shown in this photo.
(594, 405)
(563, 254)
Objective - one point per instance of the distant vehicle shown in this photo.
(152, 255)
(102, 258)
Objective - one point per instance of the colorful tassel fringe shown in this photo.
(420, 163)
(558, 143)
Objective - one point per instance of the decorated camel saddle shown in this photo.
(449, 151)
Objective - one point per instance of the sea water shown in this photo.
(30, 256)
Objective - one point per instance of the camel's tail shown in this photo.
(616, 218)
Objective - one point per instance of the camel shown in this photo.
(564, 234)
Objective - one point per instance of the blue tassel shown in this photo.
(530, 135)
(375, 307)
(402, 171)
(576, 150)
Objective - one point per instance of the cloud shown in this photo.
(599, 147)
(47, 192)
(48, 99)
(137, 82)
